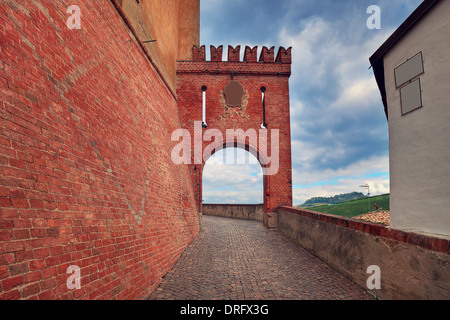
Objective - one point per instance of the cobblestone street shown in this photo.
(242, 260)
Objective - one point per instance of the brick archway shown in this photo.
(201, 89)
(260, 157)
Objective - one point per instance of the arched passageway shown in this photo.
(232, 176)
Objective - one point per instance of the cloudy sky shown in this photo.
(339, 129)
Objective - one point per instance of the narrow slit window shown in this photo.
(263, 97)
(204, 88)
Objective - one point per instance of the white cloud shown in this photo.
(361, 93)
(359, 168)
(320, 53)
(232, 183)
(233, 197)
(307, 51)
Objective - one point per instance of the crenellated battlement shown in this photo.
(267, 55)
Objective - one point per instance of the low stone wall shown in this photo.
(236, 211)
(412, 266)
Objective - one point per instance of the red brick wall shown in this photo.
(270, 71)
(86, 177)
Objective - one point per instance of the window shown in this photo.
(411, 96)
(408, 80)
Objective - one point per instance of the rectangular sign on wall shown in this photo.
(411, 96)
(409, 70)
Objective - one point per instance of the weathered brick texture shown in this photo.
(86, 176)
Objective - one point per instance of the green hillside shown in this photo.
(355, 207)
(323, 201)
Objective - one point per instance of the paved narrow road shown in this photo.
(242, 260)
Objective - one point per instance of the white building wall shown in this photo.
(420, 140)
